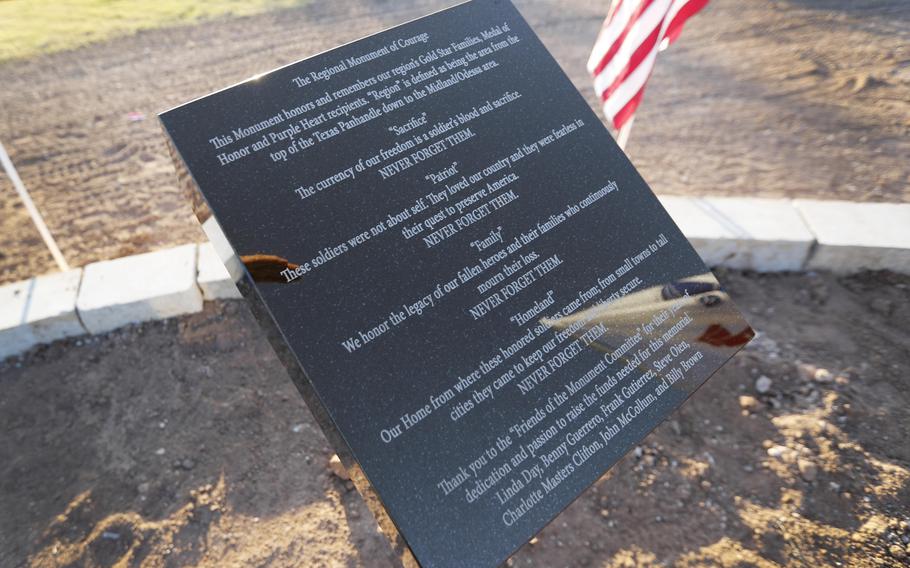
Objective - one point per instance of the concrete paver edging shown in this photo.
(765, 235)
(142, 287)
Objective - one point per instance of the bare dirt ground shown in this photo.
(183, 443)
(760, 97)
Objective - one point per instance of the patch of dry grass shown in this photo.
(29, 27)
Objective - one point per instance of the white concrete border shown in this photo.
(39, 310)
(142, 287)
(213, 277)
(765, 235)
(858, 236)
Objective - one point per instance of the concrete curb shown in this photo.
(39, 310)
(213, 277)
(851, 237)
(765, 235)
(142, 287)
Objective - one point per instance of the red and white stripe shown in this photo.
(624, 54)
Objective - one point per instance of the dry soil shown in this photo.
(183, 443)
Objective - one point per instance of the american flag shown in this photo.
(624, 54)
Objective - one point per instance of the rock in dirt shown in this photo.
(823, 376)
(338, 468)
(897, 551)
(806, 371)
(763, 384)
(807, 469)
(748, 403)
(776, 451)
(782, 453)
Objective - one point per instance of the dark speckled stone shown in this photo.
(601, 361)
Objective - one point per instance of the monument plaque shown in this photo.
(481, 300)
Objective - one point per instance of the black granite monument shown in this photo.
(481, 301)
